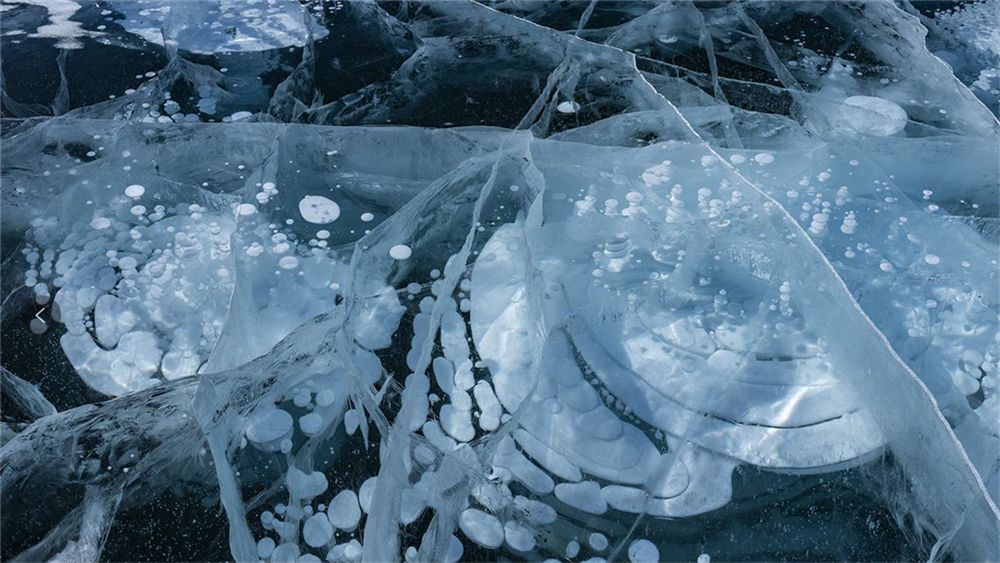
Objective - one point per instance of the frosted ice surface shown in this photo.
(491, 280)
(214, 26)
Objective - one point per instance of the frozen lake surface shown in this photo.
(499, 280)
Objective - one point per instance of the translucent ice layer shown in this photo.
(442, 281)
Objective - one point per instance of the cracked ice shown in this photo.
(500, 280)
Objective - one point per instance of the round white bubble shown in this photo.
(400, 252)
(318, 210)
(598, 541)
(269, 425)
(344, 511)
(568, 107)
(764, 158)
(873, 116)
(643, 551)
(265, 547)
(311, 424)
(317, 530)
(135, 191)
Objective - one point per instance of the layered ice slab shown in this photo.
(444, 281)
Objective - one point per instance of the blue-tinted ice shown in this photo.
(441, 281)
